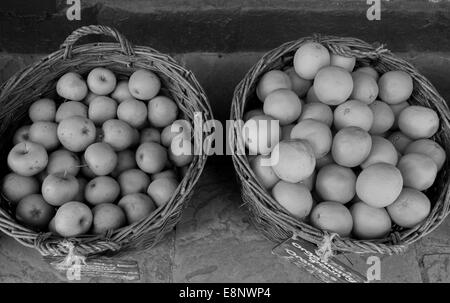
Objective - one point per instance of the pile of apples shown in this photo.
(99, 158)
(350, 154)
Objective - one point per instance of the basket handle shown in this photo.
(126, 46)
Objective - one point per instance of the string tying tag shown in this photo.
(72, 262)
(324, 251)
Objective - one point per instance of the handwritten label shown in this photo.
(100, 267)
(302, 254)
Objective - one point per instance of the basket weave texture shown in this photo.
(39, 79)
(269, 216)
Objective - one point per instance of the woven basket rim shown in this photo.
(163, 219)
(268, 215)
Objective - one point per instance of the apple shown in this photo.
(101, 109)
(15, 187)
(151, 157)
(136, 206)
(69, 109)
(72, 86)
(82, 182)
(63, 161)
(76, 133)
(168, 173)
(44, 133)
(144, 84)
(42, 110)
(22, 134)
(181, 152)
(162, 111)
(103, 189)
(133, 112)
(101, 158)
(85, 170)
(121, 93)
(180, 128)
(118, 134)
(150, 134)
(34, 212)
(133, 181)
(59, 188)
(126, 160)
(107, 216)
(90, 96)
(27, 158)
(161, 190)
(101, 81)
(73, 219)
(51, 227)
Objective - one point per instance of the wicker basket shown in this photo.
(269, 216)
(123, 58)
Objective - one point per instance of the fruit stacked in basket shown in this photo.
(104, 154)
(336, 143)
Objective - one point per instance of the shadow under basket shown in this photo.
(270, 217)
(39, 79)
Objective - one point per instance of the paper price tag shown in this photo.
(302, 254)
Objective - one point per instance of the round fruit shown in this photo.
(121, 92)
(73, 219)
(317, 111)
(410, 208)
(69, 109)
(325, 160)
(102, 189)
(42, 110)
(162, 111)
(133, 181)
(59, 188)
(370, 222)
(22, 134)
(118, 134)
(395, 87)
(383, 117)
(295, 198)
(379, 184)
(270, 81)
(368, 70)
(293, 160)
(418, 122)
(102, 109)
(15, 187)
(27, 158)
(144, 84)
(253, 113)
(63, 161)
(283, 105)
(419, 171)
(137, 207)
(300, 86)
(133, 112)
(179, 129)
(161, 190)
(311, 96)
(347, 63)
(76, 133)
(100, 158)
(263, 171)
(316, 133)
(44, 133)
(383, 151)
(365, 88)
(353, 113)
(309, 59)
(151, 157)
(332, 217)
(33, 211)
(333, 85)
(351, 146)
(101, 81)
(89, 98)
(337, 183)
(107, 216)
(261, 134)
(169, 173)
(72, 86)
(397, 109)
(181, 152)
(429, 148)
(400, 141)
(150, 135)
(126, 159)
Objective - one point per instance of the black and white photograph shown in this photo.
(226, 150)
